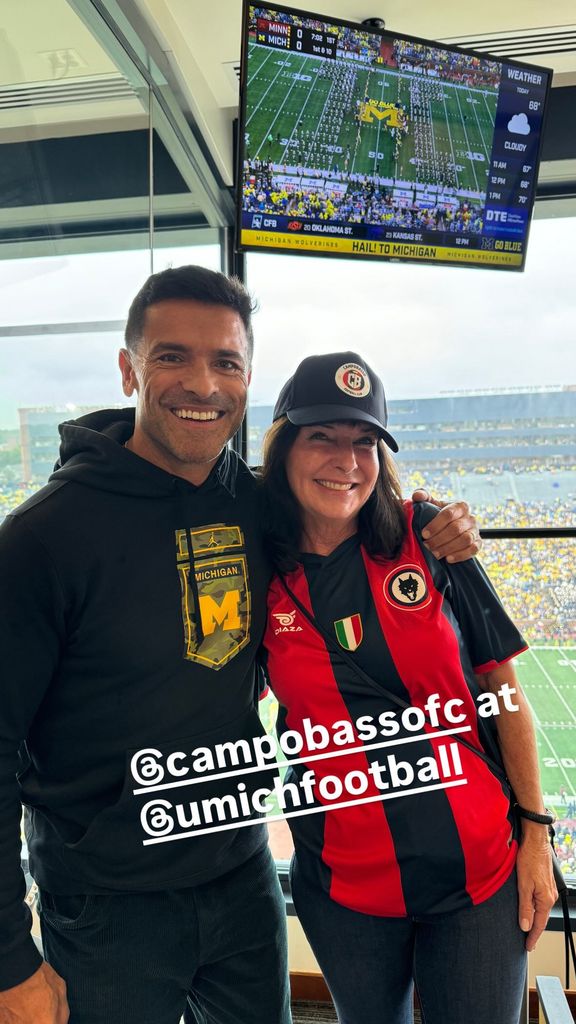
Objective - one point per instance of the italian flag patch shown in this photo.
(349, 632)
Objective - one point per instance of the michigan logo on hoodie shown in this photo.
(215, 593)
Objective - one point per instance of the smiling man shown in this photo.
(191, 370)
(133, 597)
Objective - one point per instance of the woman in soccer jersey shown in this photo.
(415, 871)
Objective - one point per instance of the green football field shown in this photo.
(548, 678)
(301, 112)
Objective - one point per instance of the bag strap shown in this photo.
(569, 948)
(334, 646)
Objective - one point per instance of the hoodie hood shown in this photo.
(92, 453)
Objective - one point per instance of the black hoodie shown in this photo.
(111, 645)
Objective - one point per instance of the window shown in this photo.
(481, 385)
(84, 222)
(60, 331)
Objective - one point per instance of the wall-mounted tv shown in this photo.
(367, 144)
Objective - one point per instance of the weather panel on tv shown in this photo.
(365, 144)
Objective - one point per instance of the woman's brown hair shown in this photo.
(381, 521)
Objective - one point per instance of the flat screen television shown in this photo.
(363, 143)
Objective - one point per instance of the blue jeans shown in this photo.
(469, 967)
(135, 958)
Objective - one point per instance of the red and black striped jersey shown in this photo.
(428, 828)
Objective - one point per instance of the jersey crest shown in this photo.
(406, 587)
(349, 632)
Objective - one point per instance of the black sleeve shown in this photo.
(489, 634)
(31, 634)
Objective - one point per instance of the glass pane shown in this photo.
(61, 326)
(60, 331)
(479, 367)
(177, 255)
(69, 114)
(480, 373)
(68, 289)
(536, 580)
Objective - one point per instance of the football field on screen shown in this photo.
(295, 117)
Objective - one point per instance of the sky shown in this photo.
(427, 330)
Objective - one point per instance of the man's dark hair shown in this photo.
(381, 521)
(195, 283)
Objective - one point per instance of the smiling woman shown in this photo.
(330, 480)
(390, 891)
(332, 471)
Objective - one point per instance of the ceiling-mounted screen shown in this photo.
(362, 143)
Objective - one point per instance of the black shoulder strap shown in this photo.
(569, 949)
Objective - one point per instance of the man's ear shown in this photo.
(129, 381)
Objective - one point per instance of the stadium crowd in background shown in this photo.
(461, 68)
(475, 72)
(364, 44)
(367, 203)
(283, 17)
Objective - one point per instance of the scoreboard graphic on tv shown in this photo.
(366, 144)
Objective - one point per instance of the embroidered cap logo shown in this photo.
(353, 380)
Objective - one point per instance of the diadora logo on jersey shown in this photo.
(286, 622)
(349, 632)
(406, 587)
(353, 380)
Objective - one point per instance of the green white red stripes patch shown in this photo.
(349, 632)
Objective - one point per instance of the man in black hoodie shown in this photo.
(132, 590)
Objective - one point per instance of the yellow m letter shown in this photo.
(225, 614)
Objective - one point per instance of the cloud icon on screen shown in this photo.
(519, 125)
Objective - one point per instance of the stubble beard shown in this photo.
(192, 451)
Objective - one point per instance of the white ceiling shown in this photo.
(42, 41)
(55, 78)
(201, 41)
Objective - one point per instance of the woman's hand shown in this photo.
(453, 534)
(537, 892)
(536, 887)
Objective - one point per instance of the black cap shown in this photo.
(337, 386)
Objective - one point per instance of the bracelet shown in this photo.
(540, 819)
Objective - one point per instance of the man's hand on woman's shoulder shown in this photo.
(453, 534)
